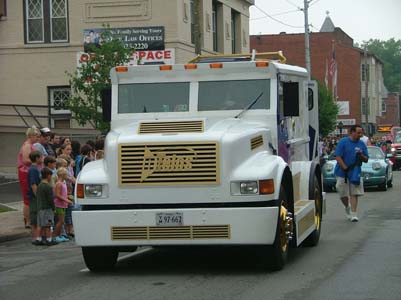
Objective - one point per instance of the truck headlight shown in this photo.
(93, 190)
(261, 187)
(249, 187)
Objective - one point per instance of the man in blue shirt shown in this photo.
(350, 153)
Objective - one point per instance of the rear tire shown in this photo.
(100, 259)
(316, 194)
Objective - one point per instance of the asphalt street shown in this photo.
(352, 261)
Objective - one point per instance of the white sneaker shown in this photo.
(348, 212)
(354, 218)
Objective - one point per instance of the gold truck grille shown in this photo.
(171, 127)
(256, 142)
(154, 164)
(164, 233)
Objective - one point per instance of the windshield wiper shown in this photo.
(249, 106)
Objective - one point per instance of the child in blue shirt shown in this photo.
(34, 178)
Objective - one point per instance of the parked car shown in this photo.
(378, 171)
(329, 179)
(396, 150)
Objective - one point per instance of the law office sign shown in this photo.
(139, 38)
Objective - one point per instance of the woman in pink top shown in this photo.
(32, 137)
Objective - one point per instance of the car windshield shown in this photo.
(375, 153)
(397, 139)
(153, 97)
(233, 94)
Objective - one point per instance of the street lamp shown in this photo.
(340, 128)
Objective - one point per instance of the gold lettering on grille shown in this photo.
(162, 160)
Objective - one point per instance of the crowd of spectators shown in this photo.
(48, 160)
(327, 145)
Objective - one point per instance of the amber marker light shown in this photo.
(165, 68)
(80, 191)
(216, 66)
(266, 186)
(261, 64)
(121, 69)
(191, 66)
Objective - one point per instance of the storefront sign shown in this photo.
(347, 122)
(138, 38)
(166, 56)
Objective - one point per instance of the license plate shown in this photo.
(169, 219)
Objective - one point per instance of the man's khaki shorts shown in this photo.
(345, 189)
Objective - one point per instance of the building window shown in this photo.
(365, 74)
(192, 9)
(58, 99)
(214, 25)
(383, 106)
(235, 32)
(3, 8)
(364, 107)
(46, 21)
(60, 115)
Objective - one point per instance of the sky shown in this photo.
(360, 19)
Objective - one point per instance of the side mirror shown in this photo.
(106, 104)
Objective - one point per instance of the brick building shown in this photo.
(390, 110)
(350, 61)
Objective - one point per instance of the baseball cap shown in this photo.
(45, 131)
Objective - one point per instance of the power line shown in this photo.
(313, 2)
(277, 20)
(293, 4)
(278, 14)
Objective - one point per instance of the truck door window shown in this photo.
(233, 94)
(153, 97)
(291, 99)
(310, 99)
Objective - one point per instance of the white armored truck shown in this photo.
(220, 151)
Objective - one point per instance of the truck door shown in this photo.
(287, 109)
(313, 109)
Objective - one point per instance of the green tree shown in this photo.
(390, 53)
(92, 76)
(328, 111)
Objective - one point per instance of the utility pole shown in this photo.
(307, 51)
(366, 91)
(197, 27)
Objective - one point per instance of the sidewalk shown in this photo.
(12, 223)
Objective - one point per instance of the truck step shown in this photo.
(304, 219)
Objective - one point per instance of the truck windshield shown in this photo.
(233, 94)
(153, 97)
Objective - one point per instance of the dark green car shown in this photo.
(378, 171)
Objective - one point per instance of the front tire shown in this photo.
(278, 252)
(99, 259)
